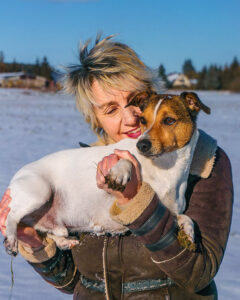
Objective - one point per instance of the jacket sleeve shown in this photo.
(55, 266)
(209, 206)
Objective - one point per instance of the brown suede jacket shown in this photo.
(102, 267)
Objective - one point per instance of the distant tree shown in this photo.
(212, 80)
(234, 68)
(14, 66)
(1, 57)
(45, 68)
(235, 64)
(234, 76)
(2, 65)
(37, 67)
(188, 69)
(235, 85)
(162, 75)
(201, 78)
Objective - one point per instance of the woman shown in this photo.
(147, 261)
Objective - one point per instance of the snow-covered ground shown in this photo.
(33, 124)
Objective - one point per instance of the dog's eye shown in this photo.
(169, 121)
(143, 120)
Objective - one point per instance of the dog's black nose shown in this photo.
(144, 145)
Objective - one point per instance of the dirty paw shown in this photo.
(185, 240)
(119, 175)
(186, 232)
(112, 184)
(11, 247)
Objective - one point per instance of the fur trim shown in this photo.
(204, 155)
(41, 255)
(128, 213)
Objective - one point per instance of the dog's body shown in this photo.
(58, 193)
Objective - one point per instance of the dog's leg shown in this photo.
(63, 242)
(28, 194)
(186, 234)
(119, 175)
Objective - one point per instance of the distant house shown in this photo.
(22, 79)
(178, 80)
(5, 76)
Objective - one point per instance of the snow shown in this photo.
(33, 124)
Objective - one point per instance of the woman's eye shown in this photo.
(142, 120)
(111, 110)
(169, 121)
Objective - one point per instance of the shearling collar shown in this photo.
(204, 155)
(203, 158)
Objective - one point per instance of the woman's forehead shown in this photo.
(105, 96)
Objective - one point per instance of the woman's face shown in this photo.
(116, 120)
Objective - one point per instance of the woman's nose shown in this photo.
(130, 116)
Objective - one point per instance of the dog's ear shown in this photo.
(140, 100)
(193, 103)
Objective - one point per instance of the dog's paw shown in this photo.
(11, 246)
(63, 242)
(186, 234)
(119, 175)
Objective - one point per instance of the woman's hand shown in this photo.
(132, 187)
(27, 235)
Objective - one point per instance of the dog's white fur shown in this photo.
(80, 205)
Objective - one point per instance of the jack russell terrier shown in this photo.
(58, 194)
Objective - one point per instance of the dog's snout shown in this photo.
(144, 145)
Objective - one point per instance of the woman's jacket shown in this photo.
(148, 262)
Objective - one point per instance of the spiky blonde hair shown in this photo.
(113, 65)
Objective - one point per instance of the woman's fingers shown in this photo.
(6, 199)
(108, 162)
(126, 155)
(103, 168)
(4, 210)
(3, 218)
(29, 236)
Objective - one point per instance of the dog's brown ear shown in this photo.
(140, 100)
(193, 103)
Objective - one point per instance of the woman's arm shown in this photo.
(59, 271)
(210, 207)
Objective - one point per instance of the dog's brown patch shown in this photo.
(164, 136)
(175, 120)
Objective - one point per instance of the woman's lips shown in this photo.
(134, 134)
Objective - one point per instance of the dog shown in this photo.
(58, 193)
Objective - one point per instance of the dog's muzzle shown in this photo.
(144, 145)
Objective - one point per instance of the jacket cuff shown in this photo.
(128, 213)
(40, 255)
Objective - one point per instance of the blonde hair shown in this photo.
(113, 65)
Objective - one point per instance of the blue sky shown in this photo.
(167, 32)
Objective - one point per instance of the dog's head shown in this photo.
(167, 121)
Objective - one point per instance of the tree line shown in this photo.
(211, 77)
(40, 67)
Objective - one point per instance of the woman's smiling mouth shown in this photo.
(134, 133)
